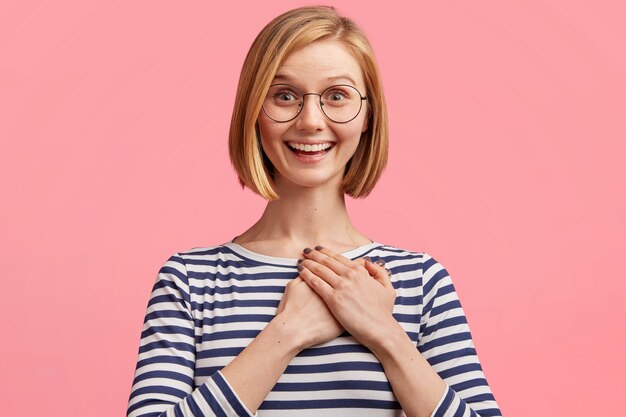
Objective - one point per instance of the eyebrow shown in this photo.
(346, 77)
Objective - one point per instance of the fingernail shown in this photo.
(388, 271)
(300, 267)
(307, 250)
(300, 260)
(380, 261)
(318, 247)
(367, 258)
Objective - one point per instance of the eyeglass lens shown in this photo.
(340, 103)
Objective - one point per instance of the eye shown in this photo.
(336, 96)
(285, 96)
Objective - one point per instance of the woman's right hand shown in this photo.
(302, 320)
(307, 314)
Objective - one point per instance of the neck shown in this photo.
(303, 217)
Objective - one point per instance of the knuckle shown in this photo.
(339, 298)
(328, 261)
(353, 273)
(357, 271)
(315, 282)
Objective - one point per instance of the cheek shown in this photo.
(352, 132)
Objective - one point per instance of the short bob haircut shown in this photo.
(285, 34)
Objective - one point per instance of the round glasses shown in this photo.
(340, 103)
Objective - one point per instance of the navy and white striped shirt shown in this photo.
(208, 304)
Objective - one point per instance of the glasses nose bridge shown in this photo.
(320, 105)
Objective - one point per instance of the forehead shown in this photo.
(320, 63)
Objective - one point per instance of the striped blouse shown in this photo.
(208, 304)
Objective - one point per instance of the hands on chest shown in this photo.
(333, 293)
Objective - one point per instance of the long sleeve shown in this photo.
(446, 343)
(164, 378)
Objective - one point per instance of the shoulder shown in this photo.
(184, 262)
(397, 255)
(206, 255)
(206, 251)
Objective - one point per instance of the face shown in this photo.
(311, 150)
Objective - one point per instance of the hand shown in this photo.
(358, 293)
(310, 318)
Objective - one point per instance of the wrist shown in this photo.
(287, 334)
(388, 340)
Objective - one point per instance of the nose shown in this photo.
(311, 116)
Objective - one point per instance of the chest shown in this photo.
(341, 376)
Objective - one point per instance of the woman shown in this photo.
(298, 315)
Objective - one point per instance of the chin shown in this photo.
(312, 181)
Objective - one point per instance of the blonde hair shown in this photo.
(282, 36)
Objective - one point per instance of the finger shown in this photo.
(360, 261)
(379, 273)
(317, 284)
(321, 271)
(281, 303)
(335, 261)
(379, 261)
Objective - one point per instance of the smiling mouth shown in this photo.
(308, 149)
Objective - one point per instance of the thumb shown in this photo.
(281, 304)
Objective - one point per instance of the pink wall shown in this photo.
(507, 126)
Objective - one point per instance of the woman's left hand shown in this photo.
(359, 293)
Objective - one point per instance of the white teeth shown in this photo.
(310, 148)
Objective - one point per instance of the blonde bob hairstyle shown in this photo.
(285, 34)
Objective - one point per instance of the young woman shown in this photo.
(301, 314)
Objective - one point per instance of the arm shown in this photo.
(445, 350)
(415, 384)
(164, 378)
(303, 320)
(417, 379)
(446, 343)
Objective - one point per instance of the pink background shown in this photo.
(508, 135)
